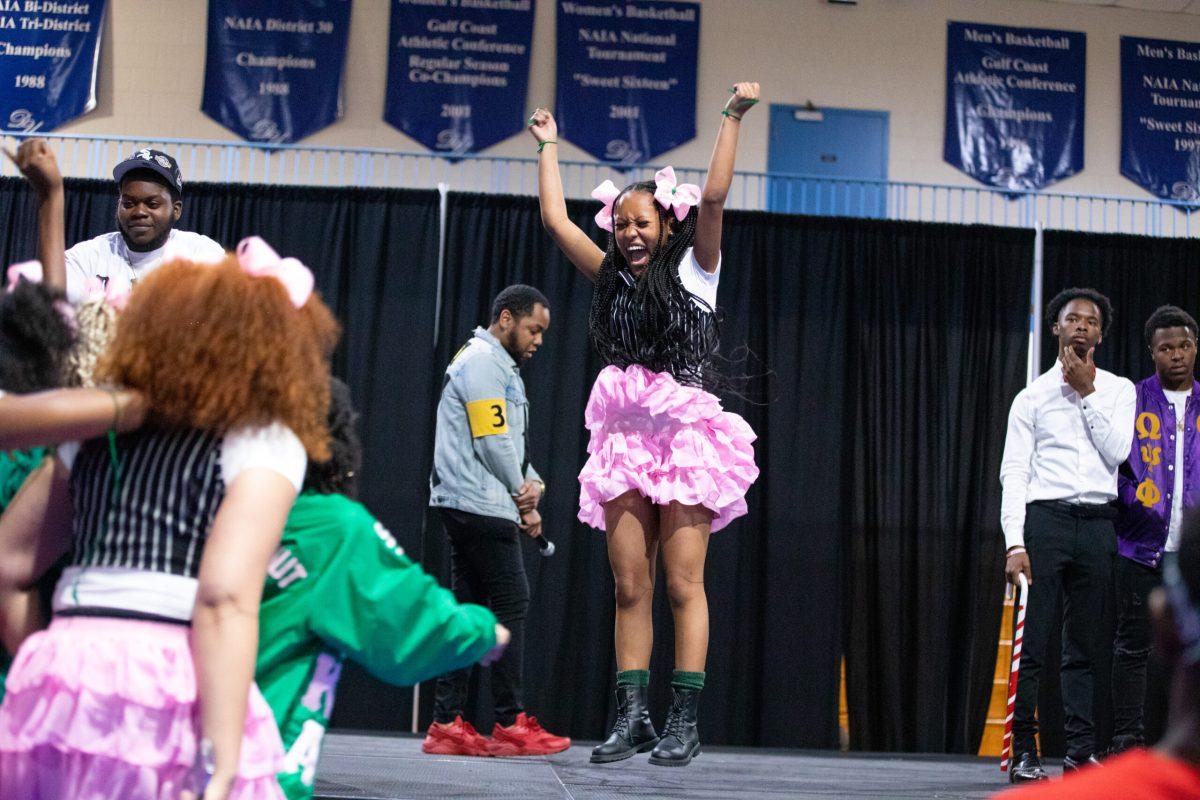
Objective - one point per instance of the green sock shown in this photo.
(687, 680)
(633, 677)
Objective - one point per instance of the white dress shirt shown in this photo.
(109, 258)
(1061, 446)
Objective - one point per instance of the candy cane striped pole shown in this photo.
(1018, 635)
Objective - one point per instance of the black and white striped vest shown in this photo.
(698, 333)
(152, 506)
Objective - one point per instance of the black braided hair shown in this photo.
(657, 293)
(35, 339)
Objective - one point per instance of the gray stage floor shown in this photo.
(394, 768)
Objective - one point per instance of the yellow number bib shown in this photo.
(487, 417)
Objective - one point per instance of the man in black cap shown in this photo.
(148, 205)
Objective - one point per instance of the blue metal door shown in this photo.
(836, 154)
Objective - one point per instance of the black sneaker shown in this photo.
(1026, 767)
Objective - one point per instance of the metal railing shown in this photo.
(89, 156)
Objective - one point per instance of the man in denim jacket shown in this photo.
(1159, 481)
(487, 494)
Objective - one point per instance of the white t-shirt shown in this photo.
(272, 447)
(1179, 401)
(696, 280)
(107, 256)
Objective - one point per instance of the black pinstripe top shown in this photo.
(156, 515)
(692, 334)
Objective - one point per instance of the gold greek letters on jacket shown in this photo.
(1148, 493)
(1151, 456)
(1149, 426)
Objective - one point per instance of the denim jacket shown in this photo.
(1146, 484)
(479, 459)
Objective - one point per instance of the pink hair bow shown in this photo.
(29, 270)
(607, 193)
(32, 272)
(257, 258)
(115, 291)
(675, 196)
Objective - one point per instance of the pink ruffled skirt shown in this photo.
(669, 442)
(100, 708)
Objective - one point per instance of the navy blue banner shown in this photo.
(274, 70)
(1160, 116)
(49, 52)
(458, 71)
(1014, 104)
(627, 77)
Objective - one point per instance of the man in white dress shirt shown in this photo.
(1068, 432)
(149, 203)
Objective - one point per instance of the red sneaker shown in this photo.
(525, 737)
(456, 738)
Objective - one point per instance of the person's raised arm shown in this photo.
(63, 415)
(244, 535)
(579, 249)
(37, 163)
(385, 613)
(707, 248)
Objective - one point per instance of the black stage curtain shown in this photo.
(374, 254)
(884, 359)
(936, 352)
(1138, 274)
(845, 315)
(773, 659)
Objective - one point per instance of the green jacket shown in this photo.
(340, 587)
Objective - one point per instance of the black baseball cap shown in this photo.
(155, 161)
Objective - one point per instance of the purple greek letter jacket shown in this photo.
(1146, 498)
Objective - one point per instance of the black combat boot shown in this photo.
(633, 732)
(1026, 767)
(680, 741)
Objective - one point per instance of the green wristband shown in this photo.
(543, 144)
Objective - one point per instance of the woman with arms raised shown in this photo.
(667, 465)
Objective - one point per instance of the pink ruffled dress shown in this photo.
(668, 441)
(100, 708)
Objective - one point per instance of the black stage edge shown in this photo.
(394, 768)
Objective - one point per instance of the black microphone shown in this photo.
(545, 546)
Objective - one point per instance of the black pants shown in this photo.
(486, 567)
(1071, 553)
(1131, 651)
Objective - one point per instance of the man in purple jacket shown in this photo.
(1160, 480)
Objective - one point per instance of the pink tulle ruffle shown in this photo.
(101, 708)
(667, 441)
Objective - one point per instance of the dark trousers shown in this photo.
(1131, 651)
(486, 567)
(1071, 553)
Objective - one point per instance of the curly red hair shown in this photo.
(215, 348)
